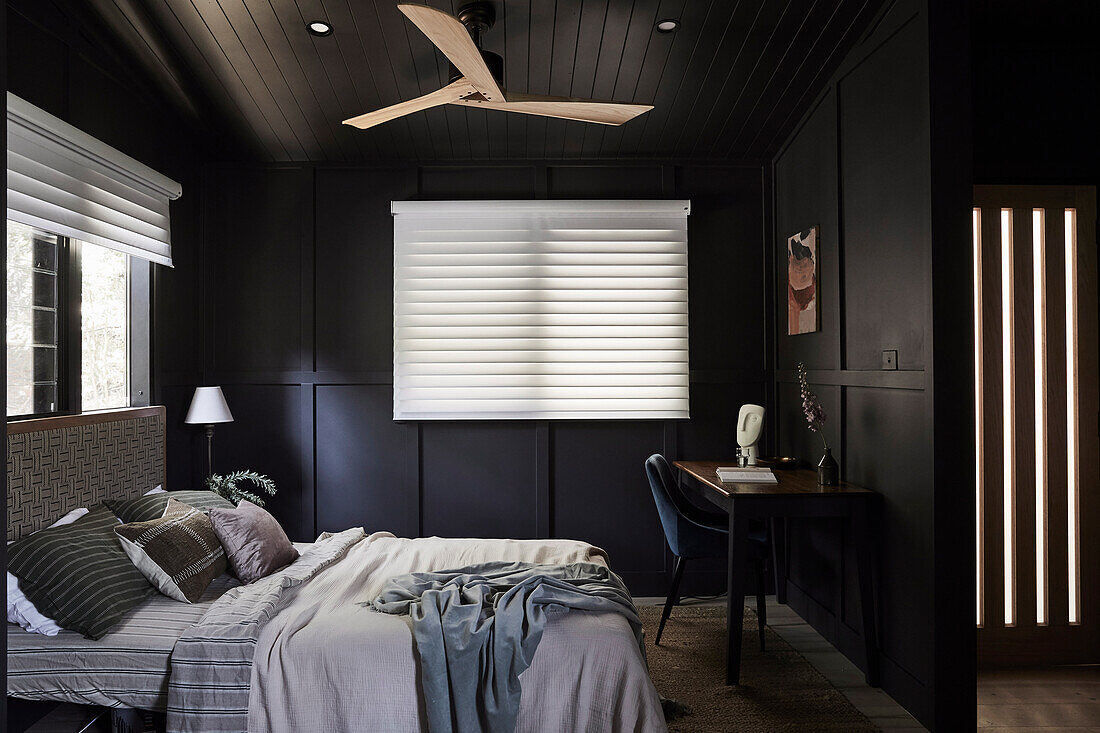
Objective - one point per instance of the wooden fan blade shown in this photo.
(452, 38)
(566, 108)
(451, 93)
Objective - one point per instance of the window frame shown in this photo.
(69, 334)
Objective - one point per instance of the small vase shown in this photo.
(828, 471)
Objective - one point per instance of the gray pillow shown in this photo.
(78, 574)
(151, 506)
(255, 544)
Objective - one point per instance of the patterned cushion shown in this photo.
(78, 574)
(151, 506)
(179, 553)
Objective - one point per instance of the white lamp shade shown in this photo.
(208, 406)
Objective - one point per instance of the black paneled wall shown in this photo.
(861, 166)
(297, 307)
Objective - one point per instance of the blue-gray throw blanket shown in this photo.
(477, 629)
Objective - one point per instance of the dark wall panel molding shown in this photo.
(863, 165)
(886, 218)
(601, 494)
(479, 479)
(269, 435)
(353, 247)
(361, 474)
(298, 292)
(890, 379)
(262, 223)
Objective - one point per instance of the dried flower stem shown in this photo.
(811, 406)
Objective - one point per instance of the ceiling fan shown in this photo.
(476, 75)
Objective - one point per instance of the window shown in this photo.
(69, 322)
(84, 223)
(33, 314)
(104, 356)
(540, 310)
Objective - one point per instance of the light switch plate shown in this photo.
(890, 359)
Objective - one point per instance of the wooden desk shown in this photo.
(796, 495)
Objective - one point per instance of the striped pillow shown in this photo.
(151, 506)
(179, 553)
(78, 574)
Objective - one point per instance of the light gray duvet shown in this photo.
(327, 662)
(302, 650)
(478, 628)
(208, 690)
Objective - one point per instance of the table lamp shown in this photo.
(208, 408)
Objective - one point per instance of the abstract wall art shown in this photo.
(802, 278)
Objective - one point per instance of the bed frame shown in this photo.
(56, 464)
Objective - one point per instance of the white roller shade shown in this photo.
(540, 310)
(66, 182)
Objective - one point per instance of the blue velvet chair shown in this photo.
(694, 533)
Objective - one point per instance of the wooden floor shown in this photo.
(1031, 700)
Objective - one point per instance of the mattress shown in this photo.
(128, 667)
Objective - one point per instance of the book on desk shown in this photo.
(746, 474)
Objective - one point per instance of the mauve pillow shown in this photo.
(255, 544)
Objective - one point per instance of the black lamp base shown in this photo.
(209, 450)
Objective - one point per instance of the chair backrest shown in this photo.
(672, 505)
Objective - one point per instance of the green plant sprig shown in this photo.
(226, 486)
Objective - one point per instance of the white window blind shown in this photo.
(540, 310)
(66, 182)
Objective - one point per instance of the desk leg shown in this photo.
(861, 534)
(779, 557)
(735, 592)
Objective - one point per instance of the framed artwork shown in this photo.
(802, 276)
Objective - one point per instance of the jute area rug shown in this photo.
(779, 690)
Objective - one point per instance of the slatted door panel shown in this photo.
(1036, 447)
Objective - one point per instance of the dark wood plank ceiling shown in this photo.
(729, 84)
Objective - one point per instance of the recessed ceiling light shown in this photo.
(320, 28)
(668, 25)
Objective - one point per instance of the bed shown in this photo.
(300, 649)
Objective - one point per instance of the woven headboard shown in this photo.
(56, 464)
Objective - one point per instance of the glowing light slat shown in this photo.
(1008, 417)
(1071, 417)
(979, 485)
(1038, 229)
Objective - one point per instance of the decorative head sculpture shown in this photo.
(750, 423)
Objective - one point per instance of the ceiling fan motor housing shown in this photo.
(477, 16)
